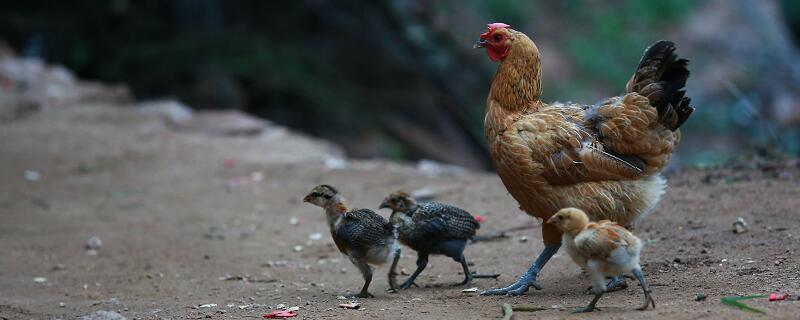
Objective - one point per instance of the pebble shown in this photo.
(298, 248)
(315, 236)
(102, 315)
(208, 305)
(94, 243)
(40, 279)
(32, 175)
(739, 226)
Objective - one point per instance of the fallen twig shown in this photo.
(502, 234)
(508, 312)
(485, 276)
(527, 308)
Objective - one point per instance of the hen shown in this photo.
(602, 248)
(604, 159)
(361, 234)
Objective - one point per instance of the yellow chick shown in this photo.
(603, 249)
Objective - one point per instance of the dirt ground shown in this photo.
(188, 219)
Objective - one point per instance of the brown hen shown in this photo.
(604, 159)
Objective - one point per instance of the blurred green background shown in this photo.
(399, 78)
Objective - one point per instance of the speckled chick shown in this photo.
(603, 249)
(365, 237)
(431, 228)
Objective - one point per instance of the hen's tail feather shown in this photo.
(660, 77)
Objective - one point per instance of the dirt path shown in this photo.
(178, 213)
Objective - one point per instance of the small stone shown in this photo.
(298, 248)
(341, 298)
(700, 297)
(470, 290)
(62, 304)
(523, 239)
(280, 306)
(295, 308)
(208, 305)
(294, 221)
(94, 243)
(315, 236)
(351, 305)
(102, 315)
(739, 226)
(343, 270)
(32, 175)
(40, 279)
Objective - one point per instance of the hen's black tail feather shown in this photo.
(660, 77)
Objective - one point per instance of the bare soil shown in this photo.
(188, 219)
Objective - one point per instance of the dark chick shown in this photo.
(431, 228)
(362, 235)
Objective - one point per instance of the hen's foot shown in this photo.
(365, 294)
(517, 288)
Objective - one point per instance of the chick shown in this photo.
(362, 235)
(603, 249)
(431, 228)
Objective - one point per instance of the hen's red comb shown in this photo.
(494, 26)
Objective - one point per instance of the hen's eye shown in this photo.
(497, 37)
(326, 196)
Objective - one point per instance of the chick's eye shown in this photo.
(326, 196)
(498, 37)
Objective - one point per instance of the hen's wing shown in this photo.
(624, 138)
(361, 229)
(445, 221)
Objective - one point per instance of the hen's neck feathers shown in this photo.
(517, 85)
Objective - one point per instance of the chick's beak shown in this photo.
(308, 198)
(384, 204)
(480, 44)
(551, 220)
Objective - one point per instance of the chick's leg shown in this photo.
(393, 273)
(422, 262)
(467, 274)
(598, 288)
(647, 298)
(551, 245)
(366, 272)
(615, 284)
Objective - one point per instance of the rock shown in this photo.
(102, 315)
(739, 226)
(40, 279)
(94, 243)
(32, 175)
(700, 297)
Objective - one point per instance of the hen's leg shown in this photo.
(647, 298)
(392, 273)
(422, 262)
(366, 272)
(528, 279)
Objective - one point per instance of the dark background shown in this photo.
(399, 79)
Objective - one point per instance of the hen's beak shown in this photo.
(480, 44)
(383, 205)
